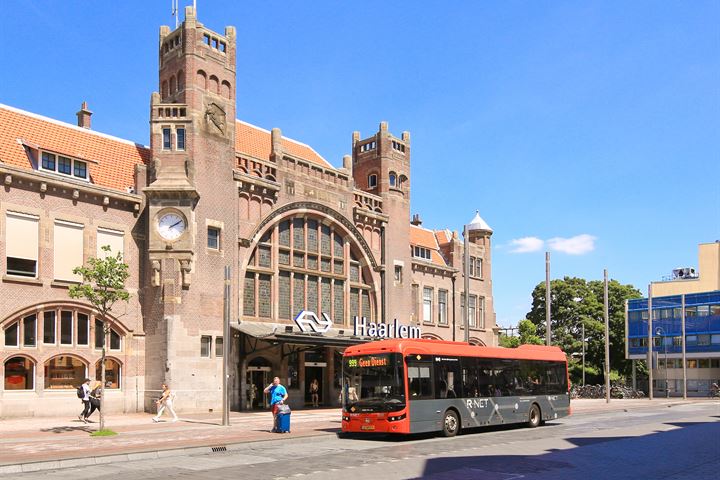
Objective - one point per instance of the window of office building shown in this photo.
(427, 304)
(19, 374)
(112, 373)
(67, 250)
(21, 244)
(64, 372)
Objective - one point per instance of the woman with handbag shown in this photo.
(165, 401)
(95, 395)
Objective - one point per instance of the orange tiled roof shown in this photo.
(423, 237)
(443, 236)
(256, 141)
(111, 161)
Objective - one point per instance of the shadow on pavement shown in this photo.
(67, 429)
(644, 456)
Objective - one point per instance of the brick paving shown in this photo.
(47, 439)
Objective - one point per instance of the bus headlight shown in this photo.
(396, 418)
(346, 418)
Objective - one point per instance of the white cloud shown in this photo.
(526, 245)
(577, 245)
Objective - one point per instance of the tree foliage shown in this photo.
(527, 334)
(103, 285)
(577, 302)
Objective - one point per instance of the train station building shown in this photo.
(321, 256)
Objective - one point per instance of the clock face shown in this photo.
(171, 226)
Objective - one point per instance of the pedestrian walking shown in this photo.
(315, 392)
(83, 393)
(165, 401)
(95, 394)
(278, 395)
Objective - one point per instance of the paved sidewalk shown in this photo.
(40, 443)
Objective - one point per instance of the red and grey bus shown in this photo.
(415, 386)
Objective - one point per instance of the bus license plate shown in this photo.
(367, 427)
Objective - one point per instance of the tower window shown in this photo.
(206, 39)
(180, 134)
(167, 145)
(372, 181)
(393, 179)
(213, 238)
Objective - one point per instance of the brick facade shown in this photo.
(297, 233)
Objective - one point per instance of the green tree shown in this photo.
(103, 285)
(577, 303)
(527, 335)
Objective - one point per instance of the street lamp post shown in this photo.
(477, 224)
(583, 352)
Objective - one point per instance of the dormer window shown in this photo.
(64, 165)
(372, 181)
(421, 252)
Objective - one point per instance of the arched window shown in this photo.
(392, 178)
(314, 270)
(201, 79)
(226, 89)
(403, 181)
(214, 85)
(112, 373)
(114, 340)
(173, 86)
(164, 89)
(180, 81)
(372, 180)
(19, 374)
(64, 372)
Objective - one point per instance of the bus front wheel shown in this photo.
(451, 424)
(534, 417)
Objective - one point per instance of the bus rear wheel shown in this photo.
(534, 417)
(451, 424)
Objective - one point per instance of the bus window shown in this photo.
(470, 380)
(507, 377)
(486, 379)
(419, 380)
(448, 377)
(556, 382)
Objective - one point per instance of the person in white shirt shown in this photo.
(86, 401)
(165, 401)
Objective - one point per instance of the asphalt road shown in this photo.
(682, 442)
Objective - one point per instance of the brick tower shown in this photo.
(191, 214)
(381, 166)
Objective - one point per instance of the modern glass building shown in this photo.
(701, 314)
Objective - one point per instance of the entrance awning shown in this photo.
(284, 333)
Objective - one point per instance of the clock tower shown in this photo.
(191, 190)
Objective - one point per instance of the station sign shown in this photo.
(309, 322)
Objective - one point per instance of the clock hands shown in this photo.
(175, 224)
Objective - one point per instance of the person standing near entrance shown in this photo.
(278, 395)
(314, 392)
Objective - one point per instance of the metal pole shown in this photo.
(607, 339)
(226, 349)
(650, 344)
(667, 389)
(548, 300)
(466, 271)
(583, 353)
(684, 361)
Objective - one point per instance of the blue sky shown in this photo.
(591, 129)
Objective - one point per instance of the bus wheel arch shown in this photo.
(534, 416)
(451, 422)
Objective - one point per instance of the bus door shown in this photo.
(421, 398)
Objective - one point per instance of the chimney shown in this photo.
(83, 116)
(416, 220)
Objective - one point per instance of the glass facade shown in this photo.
(313, 270)
(702, 324)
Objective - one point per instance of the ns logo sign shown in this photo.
(309, 322)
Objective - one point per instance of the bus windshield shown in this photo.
(373, 383)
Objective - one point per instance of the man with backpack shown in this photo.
(83, 393)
